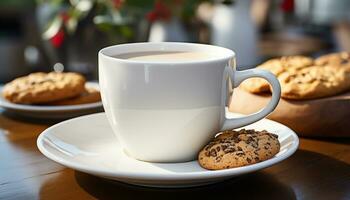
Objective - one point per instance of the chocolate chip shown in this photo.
(254, 144)
(212, 153)
(271, 137)
(236, 140)
(249, 160)
(217, 148)
(250, 140)
(239, 148)
(256, 159)
(209, 145)
(224, 147)
(229, 150)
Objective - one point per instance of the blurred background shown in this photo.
(46, 35)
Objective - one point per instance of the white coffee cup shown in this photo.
(166, 112)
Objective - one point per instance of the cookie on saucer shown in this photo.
(38, 88)
(238, 148)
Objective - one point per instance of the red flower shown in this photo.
(287, 5)
(160, 11)
(152, 16)
(65, 17)
(57, 39)
(118, 3)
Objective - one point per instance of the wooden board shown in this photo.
(325, 117)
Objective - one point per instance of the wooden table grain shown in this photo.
(320, 169)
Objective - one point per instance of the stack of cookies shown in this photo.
(50, 89)
(302, 77)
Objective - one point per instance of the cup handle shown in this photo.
(237, 77)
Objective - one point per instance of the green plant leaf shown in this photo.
(126, 31)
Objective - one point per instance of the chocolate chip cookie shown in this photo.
(314, 82)
(90, 95)
(238, 148)
(38, 88)
(334, 59)
(276, 66)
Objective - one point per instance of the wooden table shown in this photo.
(320, 169)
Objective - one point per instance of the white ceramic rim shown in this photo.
(8, 105)
(155, 176)
(108, 52)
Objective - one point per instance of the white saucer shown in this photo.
(87, 144)
(51, 112)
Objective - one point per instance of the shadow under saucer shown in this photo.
(251, 186)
